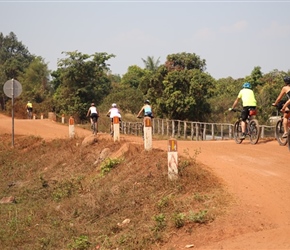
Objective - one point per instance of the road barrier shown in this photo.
(189, 130)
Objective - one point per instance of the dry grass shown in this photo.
(62, 201)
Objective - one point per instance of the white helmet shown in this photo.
(114, 105)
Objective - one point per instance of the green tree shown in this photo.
(184, 60)
(35, 81)
(14, 60)
(79, 80)
(133, 77)
(185, 95)
(255, 77)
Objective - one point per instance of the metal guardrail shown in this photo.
(189, 130)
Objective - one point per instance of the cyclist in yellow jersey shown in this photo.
(29, 109)
(247, 96)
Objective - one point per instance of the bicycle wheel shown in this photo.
(279, 131)
(288, 140)
(238, 132)
(254, 131)
(94, 126)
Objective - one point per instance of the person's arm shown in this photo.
(235, 103)
(140, 111)
(89, 111)
(279, 97)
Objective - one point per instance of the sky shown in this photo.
(232, 37)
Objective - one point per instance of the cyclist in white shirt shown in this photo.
(93, 112)
(114, 112)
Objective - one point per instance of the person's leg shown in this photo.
(285, 123)
(243, 127)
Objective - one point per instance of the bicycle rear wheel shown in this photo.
(254, 131)
(279, 131)
(94, 126)
(238, 132)
(289, 139)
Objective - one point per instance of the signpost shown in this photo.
(116, 128)
(12, 88)
(71, 127)
(172, 159)
(147, 133)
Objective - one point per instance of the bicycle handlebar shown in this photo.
(234, 110)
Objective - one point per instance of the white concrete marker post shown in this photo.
(172, 159)
(116, 127)
(147, 133)
(71, 127)
(34, 116)
(41, 116)
(62, 118)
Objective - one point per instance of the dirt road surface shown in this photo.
(258, 177)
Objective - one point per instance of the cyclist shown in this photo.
(113, 112)
(93, 112)
(29, 109)
(247, 96)
(147, 109)
(284, 91)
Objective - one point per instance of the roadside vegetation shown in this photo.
(65, 196)
(179, 89)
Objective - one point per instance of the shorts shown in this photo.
(148, 114)
(94, 115)
(245, 112)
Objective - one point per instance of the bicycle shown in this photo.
(279, 130)
(93, 125)
(252, 127)
(29, 114)
(112, 125)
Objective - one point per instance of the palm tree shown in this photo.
(151, 64)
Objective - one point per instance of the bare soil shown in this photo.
(258, 177)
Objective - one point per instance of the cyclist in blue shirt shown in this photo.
(147, 109)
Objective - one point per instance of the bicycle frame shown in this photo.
(252, 129)
(94, 127)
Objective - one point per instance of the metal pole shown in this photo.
(12, 94)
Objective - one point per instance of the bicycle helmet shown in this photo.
(114, 105)
(287, 80)
(247, 85)
(147, 101)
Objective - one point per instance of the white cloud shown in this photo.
(236, 27)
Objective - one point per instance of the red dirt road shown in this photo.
(258, 177)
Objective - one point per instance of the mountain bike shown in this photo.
(29, 114)
(288, 138)
(279, 130)
(252, 127)
(112, 125)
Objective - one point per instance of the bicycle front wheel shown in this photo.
(238, 132)
(254, 131)
(279, 131)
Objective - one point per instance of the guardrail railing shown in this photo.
(189, 130)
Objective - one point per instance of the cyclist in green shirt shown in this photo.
(247, 96)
